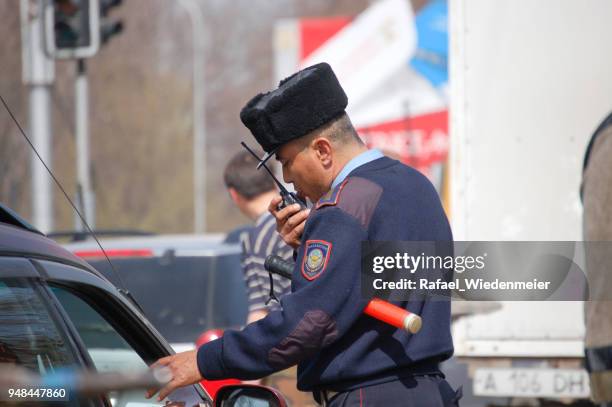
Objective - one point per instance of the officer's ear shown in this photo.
(323, 150)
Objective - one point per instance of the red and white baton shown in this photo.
(393, 315)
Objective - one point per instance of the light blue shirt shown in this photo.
(358, 161)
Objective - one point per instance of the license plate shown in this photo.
(516, 382)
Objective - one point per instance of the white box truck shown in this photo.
(529, 83)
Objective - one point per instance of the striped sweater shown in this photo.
(257, 243)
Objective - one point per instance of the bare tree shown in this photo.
(14, 157)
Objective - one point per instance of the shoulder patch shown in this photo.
(331, 198)
(360, 199)
(316, 256)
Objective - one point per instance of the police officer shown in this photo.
(344, 357)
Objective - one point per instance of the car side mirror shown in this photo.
(245, 395)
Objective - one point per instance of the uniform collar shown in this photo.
(356, 162)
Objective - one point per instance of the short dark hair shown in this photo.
(241, 173)
(339, 131)
(342, 130)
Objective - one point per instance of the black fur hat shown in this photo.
(302, 102)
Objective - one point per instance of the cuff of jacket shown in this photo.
(210, 360)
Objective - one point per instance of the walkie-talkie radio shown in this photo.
(289, 198)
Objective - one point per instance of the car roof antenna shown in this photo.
(123, 288)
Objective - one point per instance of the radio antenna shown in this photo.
(282, 188)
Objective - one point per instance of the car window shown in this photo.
(183, 296)
(109, 351)
(29, 337)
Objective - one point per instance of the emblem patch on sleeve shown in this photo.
(315, 258)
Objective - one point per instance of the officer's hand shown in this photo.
(184, 369)
(290, 221)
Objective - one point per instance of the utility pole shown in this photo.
(38, 74)
(87, 198)
(76, 29)
(199, 119)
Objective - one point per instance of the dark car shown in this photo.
(57, 314)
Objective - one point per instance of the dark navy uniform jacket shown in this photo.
(321, 325)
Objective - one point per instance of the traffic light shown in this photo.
(72, 28)
(109, 28)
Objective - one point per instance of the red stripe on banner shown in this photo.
(419, 141)
(315, 31)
